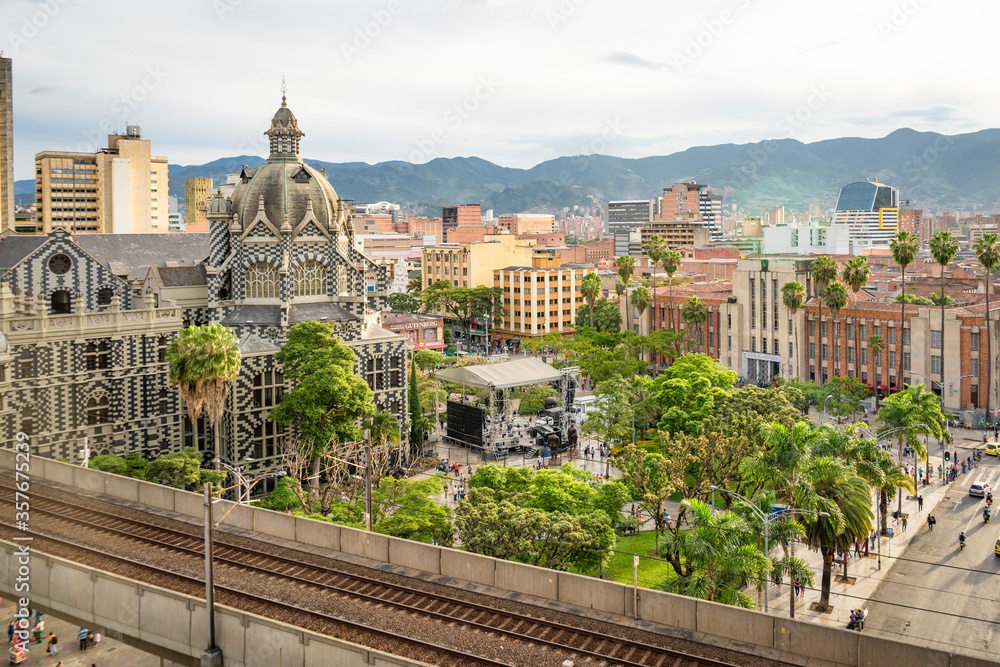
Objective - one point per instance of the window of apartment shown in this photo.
(812, 350)
(850, 333)
(822, 329)
(753, 344)
(906, 361)
(763, 346)
(892, 359)
(730, 342)
(777, 350)
(973, 368)
(850, 355)
(812, 327)
(98, 410)
(268, 389)
(711, 337)
(823, 352)
(864, 377)
(935, 364)
(729, 318)
(812, 373)
(262, 281)
(864, 355)
(974, 341)
(265, 439)
(791, 349)
(935, 339)
(28, 420)
(863, 332)
(891, 338)
(97, 355)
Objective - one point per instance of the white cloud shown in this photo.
(86, 66)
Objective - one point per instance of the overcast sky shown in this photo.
(515, 82)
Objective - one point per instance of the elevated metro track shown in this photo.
(425, 622)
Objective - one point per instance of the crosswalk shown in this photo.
(986, 476)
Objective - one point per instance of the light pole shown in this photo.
(824, 406)
(238, 473)
(212, 657)
(766, 519)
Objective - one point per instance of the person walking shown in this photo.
(10, 633)
(52, 648)
(904, 523)
(83, 639)
(920, 503)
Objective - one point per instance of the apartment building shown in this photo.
(122, 189)
(471, 264)
(466, 215)
(540, 298)
(527, 223)
(197, 192)
(6, 144)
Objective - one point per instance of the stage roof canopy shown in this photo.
(519, 373)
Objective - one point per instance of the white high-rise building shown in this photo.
(870, 210)
(6, 145)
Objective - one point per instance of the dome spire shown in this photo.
(284, 133)
(284, 91)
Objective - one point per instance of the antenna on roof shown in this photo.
(284, 89)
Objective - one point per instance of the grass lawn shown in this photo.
(651, 572)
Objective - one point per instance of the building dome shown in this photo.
(218, 205)
(285, 182)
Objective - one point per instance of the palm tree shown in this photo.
(590, 288)
(793, 295)
(671, 265)
(694, 314)
(836, 490)
(642, 299)
(988, 253)
(944, 247)
(383, 429)
(856, 274)
(656, 250)
(204, 362)
(625, 265)
(875, 347)
(824, 272)
(835, 298)
(912, 412)
(904, 251)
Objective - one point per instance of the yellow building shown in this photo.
(197, 192)
(471, 264)
(540, 298)
(122, 189)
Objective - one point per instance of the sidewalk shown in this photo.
(109, 654)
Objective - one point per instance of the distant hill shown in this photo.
(933, 171)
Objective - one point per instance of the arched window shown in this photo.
(98, 410)
(61, 303)
(262, 281)
(310, 279)
(97, 355)
(104, 296)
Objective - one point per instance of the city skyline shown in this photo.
(510, 81)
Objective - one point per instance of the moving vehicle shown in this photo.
(992, 449)
(979, 489)
(996, 547)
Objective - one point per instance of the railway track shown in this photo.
(583, 645)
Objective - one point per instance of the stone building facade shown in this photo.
(85, 321)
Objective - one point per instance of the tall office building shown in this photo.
(197, 193)
(121, 189)
(466, 215)
(710, 206)
(689, 214)
(6, 144)
(870, 210)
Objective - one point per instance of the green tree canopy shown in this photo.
(688, 390)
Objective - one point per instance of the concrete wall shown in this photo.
(171, 624)
(120, 606)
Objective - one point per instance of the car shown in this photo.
(996, 548)
(979, 489)
(992, 449)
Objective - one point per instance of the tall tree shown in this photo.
(837, 491)
(875, 347)
(904, 251)
(694, 313)
(590, 289)
(383, 429)
(642, 299)
(824, 272)
(912, 412)
(988, 253)
(625, 266)
(835, 298)
(417, 419)
(327, 398)
(203, 364)
(793, 296)
(656, 250)
(856, 274)
(671, 265)
(944, 247)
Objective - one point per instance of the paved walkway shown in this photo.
(110, 653)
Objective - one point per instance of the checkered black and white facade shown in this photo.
(85, 321)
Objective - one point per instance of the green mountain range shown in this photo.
(933, 171)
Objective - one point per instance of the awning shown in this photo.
(519, 373)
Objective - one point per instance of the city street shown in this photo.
(936, 594)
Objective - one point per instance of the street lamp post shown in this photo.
(824, 406)
(766, 519)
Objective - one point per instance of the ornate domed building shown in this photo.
(85, 321)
